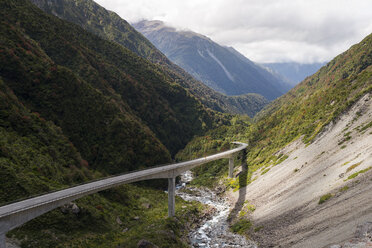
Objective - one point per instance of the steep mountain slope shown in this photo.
(65, 119)
(293, 73)
(321, 192)
(216, 66)
(108, 25)
(60, 66)
(309, 158)
(38, 149)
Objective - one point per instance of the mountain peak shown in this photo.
(221, 68)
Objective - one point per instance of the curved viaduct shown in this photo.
(18, 213)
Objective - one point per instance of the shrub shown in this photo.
(325, 198)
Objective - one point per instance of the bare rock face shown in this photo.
(146, 244)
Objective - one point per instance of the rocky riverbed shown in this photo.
(215, 231)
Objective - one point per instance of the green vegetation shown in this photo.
(365, 127)
(113, 218)
(302, 113)
(343, 189)
(357, 173)
(108, 25)
(325, 198)
(74, 108)
(347, 162)
(346, 138)
(36, 157)
(241, 226)
(247, 208)
(265, 171)
(353, 166)
(257, 229)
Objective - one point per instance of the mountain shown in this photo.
(292, 72)
(75, 107)
(108, 25)
(100, 94)
(221, 68)
(309, 173)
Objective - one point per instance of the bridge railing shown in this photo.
(18, 213)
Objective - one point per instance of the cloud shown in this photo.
(263, 30)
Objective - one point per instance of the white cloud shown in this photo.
(263, 30)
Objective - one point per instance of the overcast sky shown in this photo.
(303, 31)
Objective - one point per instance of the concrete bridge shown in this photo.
(16, 214)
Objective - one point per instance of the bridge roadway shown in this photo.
(16, 214)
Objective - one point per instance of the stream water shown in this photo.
(214, 232)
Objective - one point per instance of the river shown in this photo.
(214, 232)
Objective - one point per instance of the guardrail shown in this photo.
(18, 213)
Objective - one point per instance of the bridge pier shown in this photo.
(171, 196)
(231, 167)
(2, 240)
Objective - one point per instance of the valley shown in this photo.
(84, 96)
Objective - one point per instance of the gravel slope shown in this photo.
(286, 197)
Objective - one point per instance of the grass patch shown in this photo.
(325, 198)
(257, 229)
(248, 208)
(345, 163)
(353, 166)
(366, 127)
(343, 189)
(296, 170)
(241, 226)
(357, 173)
(342, 147)
(281, 159)
(265, 171)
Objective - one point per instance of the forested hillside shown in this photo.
(90, 87)
(75, 107)
(94, 18)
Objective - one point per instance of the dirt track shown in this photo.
(286, 197)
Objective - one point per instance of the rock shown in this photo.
(125, 230)
(341, 175)
(136, 218)
(364, 230)
(146, 244)
(184, 206)
(75, 209)
(70, 208)
(146, 205)
(118, 220)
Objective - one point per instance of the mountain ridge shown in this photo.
(94, 18)
(215, 65)
(293, 72)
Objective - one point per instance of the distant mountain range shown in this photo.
(108, 25)
(293, 72)
(221, 68)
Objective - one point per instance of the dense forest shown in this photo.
(76, 107)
